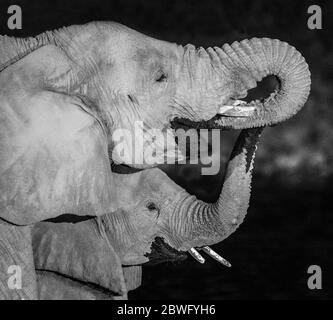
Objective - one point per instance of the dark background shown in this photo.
(289, 225)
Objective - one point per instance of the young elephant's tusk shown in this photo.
(216, 256)
(196, 255)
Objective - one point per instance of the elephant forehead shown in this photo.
(155, 53)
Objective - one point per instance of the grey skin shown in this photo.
(94, 251)
(64, 93)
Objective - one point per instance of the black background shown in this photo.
(289, 225)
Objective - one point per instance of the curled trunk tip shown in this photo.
(257, 58)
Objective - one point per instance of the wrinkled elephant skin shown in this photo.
(63, 96)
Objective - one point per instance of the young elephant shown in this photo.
(65, 94)
(84, 260)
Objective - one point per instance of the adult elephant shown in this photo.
(64, 94)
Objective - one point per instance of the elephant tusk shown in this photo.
(238, 109)
(239, 103)
(196, 255)
(216, 256)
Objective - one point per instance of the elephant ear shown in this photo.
(80, 253)
(53, 150)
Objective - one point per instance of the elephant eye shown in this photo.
(161, 77)
(151, 206)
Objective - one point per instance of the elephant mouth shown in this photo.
(162, 252)
(124, 168)
(234, 108)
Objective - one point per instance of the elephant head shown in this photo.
(66, 95)
(127, 77)
(124, 77)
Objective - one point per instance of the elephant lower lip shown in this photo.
(185, 124)
(123, 168)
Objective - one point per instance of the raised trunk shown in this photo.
(205, 223)
(228, 72)
(225, 74)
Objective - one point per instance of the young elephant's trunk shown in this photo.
(232, 70)
(204, 223)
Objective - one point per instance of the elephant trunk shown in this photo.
(209, 223)
(225, 74)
